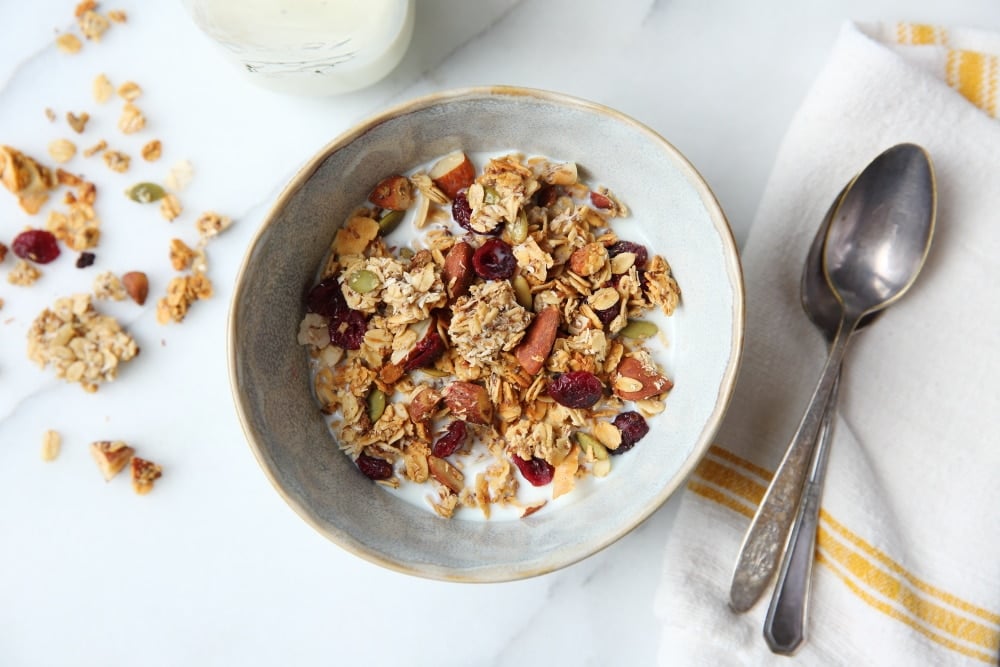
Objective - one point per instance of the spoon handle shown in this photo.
(784, 626)
(759, 554)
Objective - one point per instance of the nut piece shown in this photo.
(394, 193)
(211, 224)
(423, 405)
(144, 473)
(453, 173)
(637, 379)
(469, 401)
(51, 443)
(534, 349)
(111, 456)
(137, 285)
(129, 91)
(457, 273)
(152, 150)
(78, 123)
(131, 120)
(446, 473)
(589, 259)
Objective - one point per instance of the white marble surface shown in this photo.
(213, 568)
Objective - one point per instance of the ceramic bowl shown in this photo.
(673, 212)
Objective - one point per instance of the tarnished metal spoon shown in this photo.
(876, 244)
(785, 623)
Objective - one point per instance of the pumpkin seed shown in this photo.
(639, 329)
(145, 193)
(390, 221)
(376, 404)
(362, 281)
(490, 196)
(522, 291)
(518, 229)
(591, 446)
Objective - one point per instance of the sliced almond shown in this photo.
(452, 173)
(446, 473)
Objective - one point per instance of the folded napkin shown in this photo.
(908, 553)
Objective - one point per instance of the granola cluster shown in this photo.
(83, 345)
(506, 338)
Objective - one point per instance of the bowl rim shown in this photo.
(733, 268)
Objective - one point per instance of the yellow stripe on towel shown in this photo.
(974, 75)
(920, 34)
(735, 483)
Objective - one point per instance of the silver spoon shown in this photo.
(784, 625)
(878, 240)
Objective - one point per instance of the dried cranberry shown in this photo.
(576, 389)
(85, 259)
(494, 260)
(326, 298)
(37, 245)
(633, 429)
(427, 350)
(607, 315)
(537, 471)
(453, 438)
(641, 255)
(347, 329)
(461, 210)
(373, 467)
(547, 195)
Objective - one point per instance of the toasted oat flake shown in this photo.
(23, 274)
(117, 161)
(51, 444)
(129, 91)
(211, 224)
(93, 25)
(109, 286)
(69, 43)
(179, 176)
(62, 150)
(81, 344)
(151, 151)
(102, 89)
(118, 15)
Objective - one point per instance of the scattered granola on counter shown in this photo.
(111, 456)
(144, 473)
(511, 336)
(51, 445)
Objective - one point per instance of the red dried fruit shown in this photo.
(640, 252)
(37, 245)
(326, 298)
(607, 315)
(453, 438)
(494, 260)
(576, 389)
(373, 467)
(347, 329)
(537, 471)
(633, 428)
(461, 210)
(548, 194)
(427, 350)
(85, 259)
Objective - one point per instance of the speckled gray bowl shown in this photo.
(673, 211)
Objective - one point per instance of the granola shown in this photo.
(518, 316)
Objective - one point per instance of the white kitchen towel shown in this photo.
(908, 553)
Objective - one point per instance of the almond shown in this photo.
(635, 380)
(394, 193)
(469, 401)
(588, 260)
(423, 405)
(458, 272)
(532, 352)
(446, 473)
(453, 173)
(111, 457)
(137, 285)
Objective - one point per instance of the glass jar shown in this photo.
(309, 47)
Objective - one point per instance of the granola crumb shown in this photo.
(211, 224)
(96, 148)
(51, 445)
(102, 89)
(179, 176)
(69, 43)
(129, 91)
(26, 179)
(118, 15)
(182, 291)
(3, 251)
(109, 286)
(131, 120)
(50, 114)
(117, 161)
(151, 151)
(77, 122)
(170, 207)
(93, 25)
(23, 274)
(181, 255)
(144, 474)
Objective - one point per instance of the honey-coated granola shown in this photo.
(507, 337)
